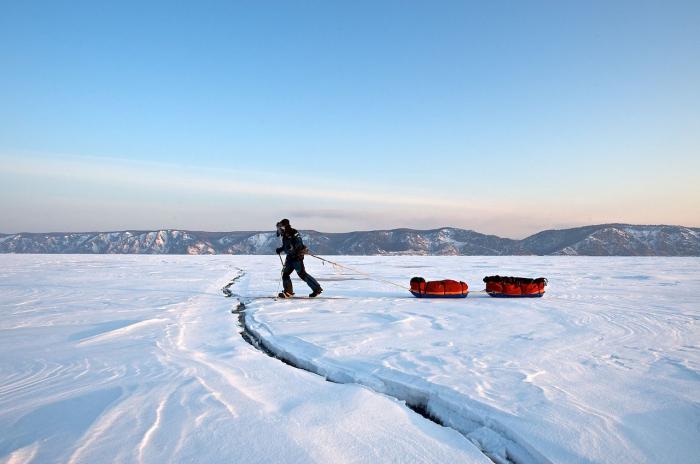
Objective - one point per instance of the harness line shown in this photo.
(360, 272)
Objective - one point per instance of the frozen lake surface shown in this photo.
(139, 359)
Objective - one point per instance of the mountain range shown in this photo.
(594, 240)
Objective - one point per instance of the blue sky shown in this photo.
(504, 117)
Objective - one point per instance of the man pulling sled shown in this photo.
(294, 248)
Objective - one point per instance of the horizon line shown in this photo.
(339, 233)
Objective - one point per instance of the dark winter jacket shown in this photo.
(292, 245)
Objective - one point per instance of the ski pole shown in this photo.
(281, 272)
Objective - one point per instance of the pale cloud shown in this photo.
(168, 177)
(100, 194)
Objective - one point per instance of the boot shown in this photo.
(315, 293)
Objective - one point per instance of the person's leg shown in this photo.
(286, 279)
(301, 272)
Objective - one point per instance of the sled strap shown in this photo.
(360, 272)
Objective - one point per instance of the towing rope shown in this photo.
(376, 278)
(360, 272)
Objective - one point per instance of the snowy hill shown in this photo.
(597, 240)
(617, 240)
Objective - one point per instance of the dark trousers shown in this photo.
(291, 265)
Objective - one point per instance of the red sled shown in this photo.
(515, 287)
(438, 288)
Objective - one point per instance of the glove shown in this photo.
(304, 251)
(279, 250)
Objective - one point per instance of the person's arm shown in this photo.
(279, 250)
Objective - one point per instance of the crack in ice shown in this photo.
(492, 439)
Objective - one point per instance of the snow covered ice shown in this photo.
(139, 359)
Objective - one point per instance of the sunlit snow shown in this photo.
(139, 359)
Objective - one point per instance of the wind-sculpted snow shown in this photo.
(604, 368)
(138, 359)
